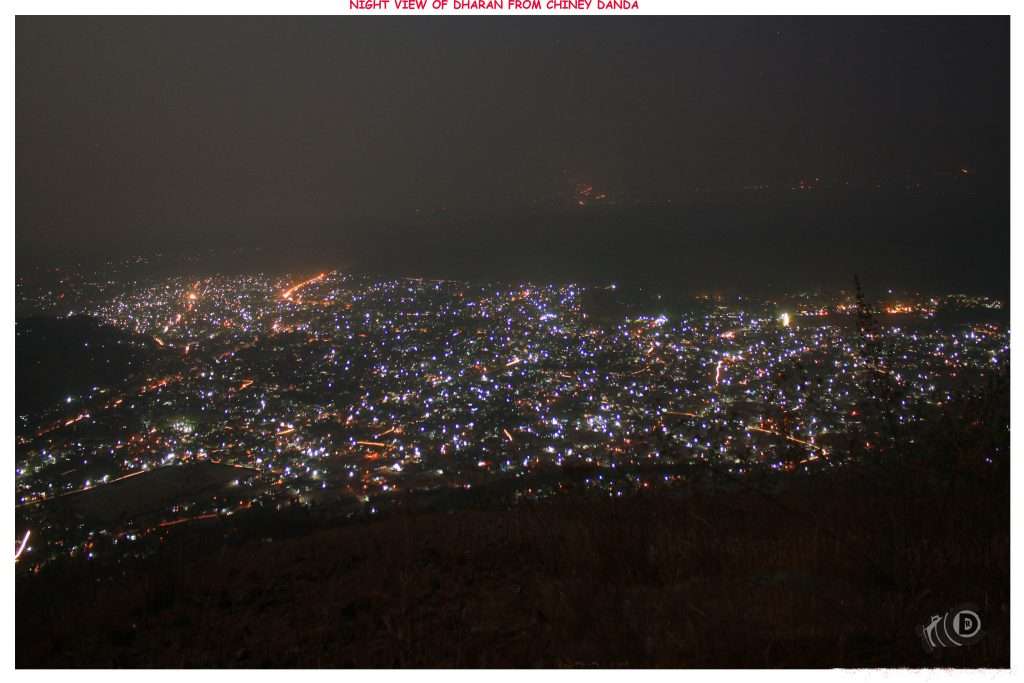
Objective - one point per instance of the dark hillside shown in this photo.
(837, 570)
(61, 356)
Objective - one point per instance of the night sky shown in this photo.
(452, 147)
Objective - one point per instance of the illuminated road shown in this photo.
(288, 293)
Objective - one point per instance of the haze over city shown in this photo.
(718, 152)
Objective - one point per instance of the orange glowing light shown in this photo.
(287, 294)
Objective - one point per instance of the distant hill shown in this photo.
(60, 357)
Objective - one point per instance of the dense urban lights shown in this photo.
(352, 391)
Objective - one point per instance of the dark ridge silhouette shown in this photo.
(58, 357)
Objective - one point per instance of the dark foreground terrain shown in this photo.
(833, 570)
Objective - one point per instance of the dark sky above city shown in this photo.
(451, 146)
